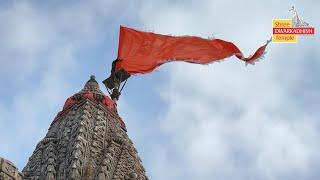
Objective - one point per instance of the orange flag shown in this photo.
(142, 52)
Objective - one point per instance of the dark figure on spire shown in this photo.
(114, 81)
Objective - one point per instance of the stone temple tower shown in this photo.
(87, 140)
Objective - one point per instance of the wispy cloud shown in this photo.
(45, 50)
(226, 121)
(222, 121)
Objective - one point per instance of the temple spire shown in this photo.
(86, 140)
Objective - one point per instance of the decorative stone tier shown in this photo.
(8, 170)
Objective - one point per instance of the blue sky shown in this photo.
(219, 121)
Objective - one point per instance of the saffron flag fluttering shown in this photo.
(142, 52)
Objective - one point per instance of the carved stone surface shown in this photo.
(87, 140)
(8, 170)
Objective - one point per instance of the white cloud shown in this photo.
(225, 121)
(41, 54)
(222, 121)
